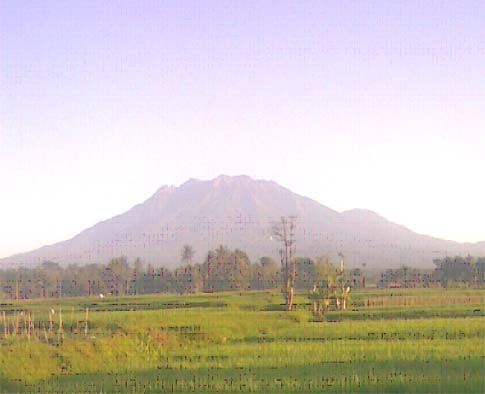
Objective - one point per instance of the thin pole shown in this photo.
(5, 328)
(87, 319)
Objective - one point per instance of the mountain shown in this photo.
(238, 212)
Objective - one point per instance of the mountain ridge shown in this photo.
(238, 211)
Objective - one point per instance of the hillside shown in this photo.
(238, 212)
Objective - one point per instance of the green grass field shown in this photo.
(423, 341)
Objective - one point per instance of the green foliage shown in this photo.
(187, 254)
(221, 270)
(226, 270)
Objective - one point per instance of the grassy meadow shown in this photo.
(399, 340)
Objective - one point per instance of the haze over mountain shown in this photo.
(238, 212)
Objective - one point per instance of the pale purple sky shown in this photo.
(377, 105)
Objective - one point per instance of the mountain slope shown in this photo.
(238, 212)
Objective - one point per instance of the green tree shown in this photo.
(325, 277)
(187, 254)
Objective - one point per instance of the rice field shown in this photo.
(400, 340)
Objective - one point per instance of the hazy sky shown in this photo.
(377, 105)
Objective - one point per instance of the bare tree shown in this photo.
(284, 231)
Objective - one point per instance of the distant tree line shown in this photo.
(224, 269)
(458, 271)
(448, 272)
(406, 277)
